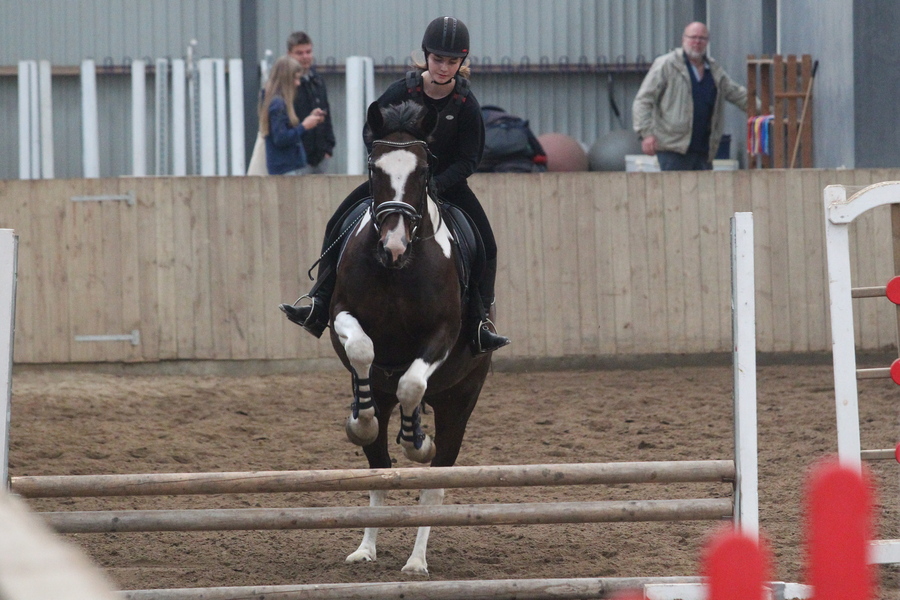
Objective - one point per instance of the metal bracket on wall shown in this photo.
(127, 197)
(134, 337)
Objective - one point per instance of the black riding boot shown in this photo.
(313, 317)
(486, 337)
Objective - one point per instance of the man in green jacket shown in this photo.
(678, 112)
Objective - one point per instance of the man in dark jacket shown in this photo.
(311, 94)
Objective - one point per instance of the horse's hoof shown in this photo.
(361, 555)
(415, 566)
(423, 454)
(361, 432)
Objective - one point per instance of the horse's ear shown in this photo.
(429, 120)
(375, 119)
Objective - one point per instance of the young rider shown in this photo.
(457, 146)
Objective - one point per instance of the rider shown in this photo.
(457, 146)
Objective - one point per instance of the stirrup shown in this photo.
(493, 341)
(294, 315)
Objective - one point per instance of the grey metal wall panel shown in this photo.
(824, 29)
(67, 31)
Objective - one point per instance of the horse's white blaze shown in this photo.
(412, 385)
(442, 236)
(417, 563)
(398, 165)
(395, 240)
(366, 551)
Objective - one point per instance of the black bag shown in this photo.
(509, 144)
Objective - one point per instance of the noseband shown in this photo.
(385, 209)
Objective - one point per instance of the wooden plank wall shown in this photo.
(590, 263)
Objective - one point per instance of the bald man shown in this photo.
(678, 112)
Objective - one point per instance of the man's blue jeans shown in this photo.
(674, 161)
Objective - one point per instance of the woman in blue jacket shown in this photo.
(279, 124)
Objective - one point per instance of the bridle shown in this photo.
(385, 209)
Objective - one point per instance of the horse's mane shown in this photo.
(405, 117)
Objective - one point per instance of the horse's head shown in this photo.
(399, 172)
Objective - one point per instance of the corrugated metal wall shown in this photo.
(504, 32)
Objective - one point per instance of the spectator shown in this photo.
(678, 111)
(278, 121)
(311, 94)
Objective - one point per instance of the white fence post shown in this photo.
(90, 130)
(45, 90)
(360, 93)
(236, 116)
(179, 118)
(26, 74)
(138, 118)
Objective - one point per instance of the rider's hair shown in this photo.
(280, 83)
(464, 69)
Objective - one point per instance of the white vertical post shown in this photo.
(46, 99)
(138, 119)
(843, 341)
(161, 110)
(207, 117)
(8, 246)
(236, 115)
(35, 125)
(179, 118)
(24, 84)
(369, 80)
(356, 115)
(743, 305)
(90, 130)
(221, 117)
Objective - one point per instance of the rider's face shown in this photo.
(443, 68)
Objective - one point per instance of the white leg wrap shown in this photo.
(417, 564)
(366, 551)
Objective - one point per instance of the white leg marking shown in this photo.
(366, 551)
(410, 390)
(417, 564)
(360, 352)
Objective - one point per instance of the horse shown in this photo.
(398, 314)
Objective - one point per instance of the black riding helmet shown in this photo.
(446, 36)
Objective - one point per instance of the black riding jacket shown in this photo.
(458, 141)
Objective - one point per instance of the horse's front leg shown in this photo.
(417, 563)
(410, 390)
(362, 424)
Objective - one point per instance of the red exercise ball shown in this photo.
(564, 153)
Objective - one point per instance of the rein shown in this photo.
(385, 209)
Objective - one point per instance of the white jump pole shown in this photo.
(26, 73)
(8, 251)
(46, 119)
(743, 303)
(179, 118)
(236, 116)
(138, 118)
(90, 130)
(207, 116)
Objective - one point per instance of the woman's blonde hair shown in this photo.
(422, 65)
(280, 83)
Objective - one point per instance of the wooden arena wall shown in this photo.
(591, 264)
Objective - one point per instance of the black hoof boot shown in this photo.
(313, 318)
(488, 339)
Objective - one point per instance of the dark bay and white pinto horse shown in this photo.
(397, 315)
